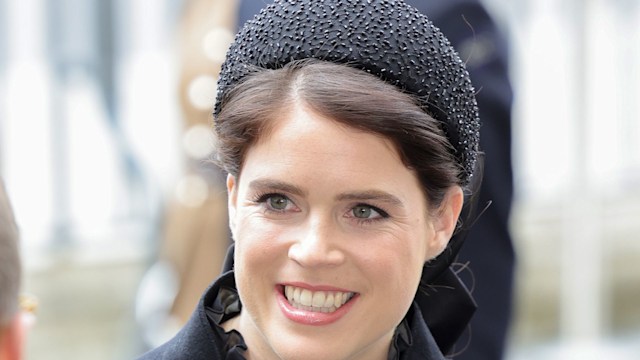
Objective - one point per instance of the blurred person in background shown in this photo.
(488, 249)
(11, 321)
(343, 203)
(194, 231)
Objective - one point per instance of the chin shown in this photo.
(327, 346)
(313, 352)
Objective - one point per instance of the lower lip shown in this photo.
(311, 317)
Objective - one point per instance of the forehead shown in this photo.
(310, 150)
(306, 133)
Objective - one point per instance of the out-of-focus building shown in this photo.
(104, 140)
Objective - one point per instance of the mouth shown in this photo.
(316, 301)
(315, 305)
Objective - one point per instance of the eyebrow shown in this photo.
(370, 195)
(277, 185)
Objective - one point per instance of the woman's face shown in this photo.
(331, 233)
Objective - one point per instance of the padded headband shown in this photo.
(387, 38)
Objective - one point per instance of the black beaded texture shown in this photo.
(387, 38)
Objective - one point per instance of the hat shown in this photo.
(386, 38)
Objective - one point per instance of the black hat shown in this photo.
(387, 38)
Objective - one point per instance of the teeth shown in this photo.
(337, 300)
(318, 301)
(305, 297)
(328, 301)
(296, 294)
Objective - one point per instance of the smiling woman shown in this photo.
(358, 229)
(349, 146)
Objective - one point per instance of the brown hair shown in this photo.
(351, 97)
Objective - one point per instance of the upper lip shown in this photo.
(318, 287)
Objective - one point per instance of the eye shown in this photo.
(368, 212)
(275, 202)
(278, 202)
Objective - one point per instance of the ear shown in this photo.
(11, 339)
(232, 191)
(444, 221)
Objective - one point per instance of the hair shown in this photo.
(9, 261)
(349, 96)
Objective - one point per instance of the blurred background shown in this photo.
(104, 140)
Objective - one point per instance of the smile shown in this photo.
(314, 305)
(316, 301)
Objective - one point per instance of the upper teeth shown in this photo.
(320, 301)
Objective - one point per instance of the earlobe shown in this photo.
(445, 221)
(232, 191)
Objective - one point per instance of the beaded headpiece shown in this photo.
(387, 38)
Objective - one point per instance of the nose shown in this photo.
(317, 245)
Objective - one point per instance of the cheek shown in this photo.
(256, 244)
(393, 265)
(254, 257)
(402, 271)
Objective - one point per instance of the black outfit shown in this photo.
(488, 247)
(203, 338)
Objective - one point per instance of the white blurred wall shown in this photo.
(576, 73)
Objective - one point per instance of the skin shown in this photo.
(11, 340)
(293, 218)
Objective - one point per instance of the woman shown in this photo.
(349, 132)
